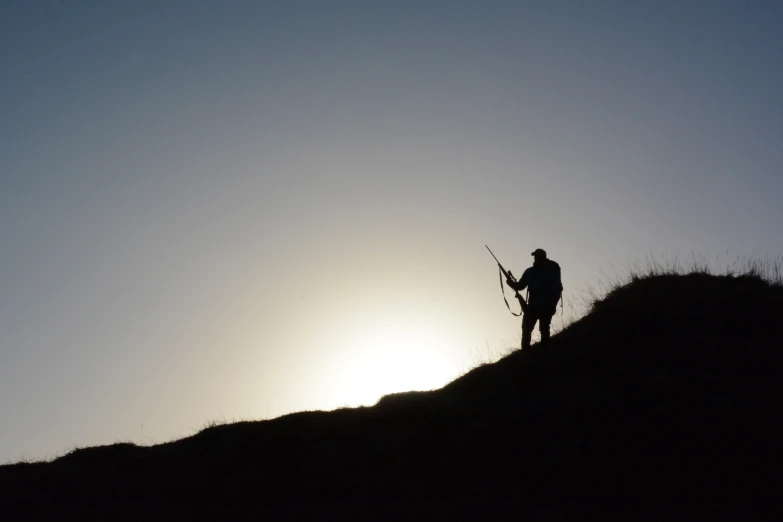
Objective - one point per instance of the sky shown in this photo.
(217, 211)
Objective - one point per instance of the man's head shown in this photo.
(539, 254)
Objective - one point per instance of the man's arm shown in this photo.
(518, 285)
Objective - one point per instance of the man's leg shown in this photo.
(543, 326)
(528, 323)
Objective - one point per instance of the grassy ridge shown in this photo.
(663, 401)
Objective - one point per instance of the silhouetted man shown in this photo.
(545, 289)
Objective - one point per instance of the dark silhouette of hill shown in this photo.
(663, 403)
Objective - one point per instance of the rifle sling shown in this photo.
(503, 291)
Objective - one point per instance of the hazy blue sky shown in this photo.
(236, 209)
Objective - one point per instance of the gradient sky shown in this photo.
(220, 210)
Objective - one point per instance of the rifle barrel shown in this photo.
(505, 273)
(493, 255)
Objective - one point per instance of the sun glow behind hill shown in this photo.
(383, 320)
(380, 353)
(401, 359)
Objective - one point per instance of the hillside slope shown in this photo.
(663, 402)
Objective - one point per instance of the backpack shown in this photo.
(554, 284)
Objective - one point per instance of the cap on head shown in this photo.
(539, 253)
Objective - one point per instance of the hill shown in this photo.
(663, 402)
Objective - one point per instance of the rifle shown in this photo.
(510, 277)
